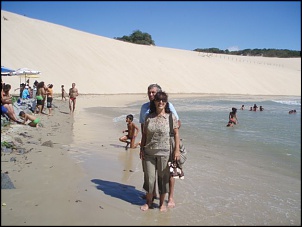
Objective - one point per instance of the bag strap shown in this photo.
(171, 135)
(171, 125)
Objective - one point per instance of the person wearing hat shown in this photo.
(25, 93)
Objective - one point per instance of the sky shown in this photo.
(184, 25)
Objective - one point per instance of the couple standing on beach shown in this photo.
(155, 147)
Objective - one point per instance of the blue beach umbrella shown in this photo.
(6, 71)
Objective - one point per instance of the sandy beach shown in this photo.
(48, 189)
(56, 183)
(52, 182)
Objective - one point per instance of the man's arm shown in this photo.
(173, 110)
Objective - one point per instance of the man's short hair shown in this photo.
(154, 85)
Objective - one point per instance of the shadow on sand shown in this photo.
(127, 193)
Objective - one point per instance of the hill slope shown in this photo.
(100, 65)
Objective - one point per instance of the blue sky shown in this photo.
(181, 25)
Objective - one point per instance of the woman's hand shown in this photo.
(141, 153)
(176, 154)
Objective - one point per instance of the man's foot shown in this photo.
(145, 207)
(163, 208)
(171, 203)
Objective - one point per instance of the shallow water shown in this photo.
(249, 174)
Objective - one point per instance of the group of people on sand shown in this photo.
(40, 94)
(155, 152)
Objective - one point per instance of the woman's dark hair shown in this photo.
(21, 113)
(40, 85)
(6, 88)
(130, 116)
(161, 95)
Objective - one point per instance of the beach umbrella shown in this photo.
(6, 71)
(26, 73)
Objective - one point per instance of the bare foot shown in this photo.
(171, 203)
(145, 207)
(163, 208)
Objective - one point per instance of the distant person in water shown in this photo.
(292, 111)
(261, 108)
(255, 107)
(242, 107)
(233, 120)
(132, 131)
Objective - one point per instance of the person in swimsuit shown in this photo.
(73, 93)
(232, 118)
(33, 119)
(7, 103)
(40, 96)
(63, 92)
(132, 130)
(49, 93)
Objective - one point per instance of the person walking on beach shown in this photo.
(63, 92)
(34, 121)
(73, 93)
(132, 130)
(155, 150)
(145, 109)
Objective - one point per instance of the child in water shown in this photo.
(132, 130)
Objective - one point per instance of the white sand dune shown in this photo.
(100, 65)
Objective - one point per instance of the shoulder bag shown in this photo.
(182, 148)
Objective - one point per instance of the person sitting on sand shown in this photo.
(33, 119)
(7, 103)
(132, 133)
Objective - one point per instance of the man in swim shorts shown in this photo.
(73, 93)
